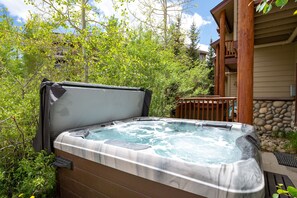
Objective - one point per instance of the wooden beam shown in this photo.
(285, 32)
(271, 41)
(288, 27)
(221, 6)
(228, 26)
(232, 68)
(276, 23)
(275, 16)
(222, 53)
(245, 61)
(230, 61)
(217, 71)
(295, 121)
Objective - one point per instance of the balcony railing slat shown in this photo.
(222, 112)
(198, 115)
(227, 112)
(194, 110)
(212, 109)
(232, 114)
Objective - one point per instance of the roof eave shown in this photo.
(219, 8)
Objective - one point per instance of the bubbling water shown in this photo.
(176, 140)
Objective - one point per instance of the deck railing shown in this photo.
(230, 50)
(207, 108)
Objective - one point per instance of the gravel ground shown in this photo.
(272, 144)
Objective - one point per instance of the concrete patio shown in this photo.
(270, 164)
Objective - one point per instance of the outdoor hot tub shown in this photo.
(106, 146)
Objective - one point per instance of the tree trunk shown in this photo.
(83, 26)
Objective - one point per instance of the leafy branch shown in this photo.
(289, 192)
(265, 6)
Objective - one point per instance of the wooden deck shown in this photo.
(207, 108)
(272, 180)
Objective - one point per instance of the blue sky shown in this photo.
(200, 13)
(207, 31)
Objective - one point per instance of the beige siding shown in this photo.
(274, 71)
(231, 85)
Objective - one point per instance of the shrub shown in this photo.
(32, 175)
(292, 136)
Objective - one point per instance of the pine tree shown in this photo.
(177, 38)
(193, 48)
(210, 65)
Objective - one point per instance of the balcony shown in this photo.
(231, 54)
(230, 49)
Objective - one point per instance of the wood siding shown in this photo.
(90, 179)
(274, 71)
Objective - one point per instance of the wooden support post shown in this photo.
(222, 53)
(217, 72)
(295, 95)
(245, 61)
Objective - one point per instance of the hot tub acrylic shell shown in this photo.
(102, 170)
(243, 178)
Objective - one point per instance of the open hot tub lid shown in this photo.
(68, 105)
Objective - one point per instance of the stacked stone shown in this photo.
(271, 117)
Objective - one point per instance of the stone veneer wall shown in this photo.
(274, 116)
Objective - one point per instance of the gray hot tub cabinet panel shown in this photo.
(70, 105)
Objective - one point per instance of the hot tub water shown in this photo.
(176, 140)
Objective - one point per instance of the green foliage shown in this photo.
(177, 38)
(193, 48)
(265, 6)
(19, 166)
(210, 65)
(35, 175)
(292, 136)
(113, 54)
(31, 175)
(289, 192)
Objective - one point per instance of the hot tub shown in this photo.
(174, 158)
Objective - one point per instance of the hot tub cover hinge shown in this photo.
(62, 163)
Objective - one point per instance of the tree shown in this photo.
(193, 52)
(177, 38)
(42, 50)
(164, 9)
(19, 169)
(210, 65)
(65, 15)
